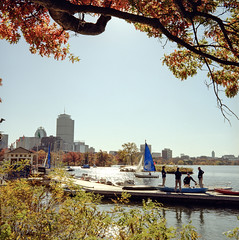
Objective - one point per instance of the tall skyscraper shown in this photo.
(65, 130)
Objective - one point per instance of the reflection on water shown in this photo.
(209, 223)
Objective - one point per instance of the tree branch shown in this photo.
(69, 22)
(63, 7)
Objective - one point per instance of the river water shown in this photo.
(210, 223)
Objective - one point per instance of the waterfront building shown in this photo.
(18, 154)
(65, 130)
(167, 153)
(213, 154)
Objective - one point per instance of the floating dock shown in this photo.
(209, 199)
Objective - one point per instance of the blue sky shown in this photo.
(119, 92)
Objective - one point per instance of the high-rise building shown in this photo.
(166, 153)
(65, 130)
(3, 141)
(213, 154)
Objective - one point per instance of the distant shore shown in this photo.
(172, 169)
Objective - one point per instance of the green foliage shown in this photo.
(145, 223)
(234, 233)
(188, 232)
(7, 167)
(37, 212)
(129, 154)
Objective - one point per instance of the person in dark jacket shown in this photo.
(163, 176)
(200, 177)
(178, 175)
(187, 179)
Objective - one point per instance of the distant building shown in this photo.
(142, 147)
(16, 156)
(167, 153)
(55, 143)
(19, 154)
(230, 157)
(40, 133)
(183, 156)
(65, 130)
(28, 142)
(213, 154)
(4, 141)
(156, 155)
(80, 147)
(91, 150)
(114, 153)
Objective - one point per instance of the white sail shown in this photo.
(140, 165)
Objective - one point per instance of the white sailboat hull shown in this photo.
(145, 175)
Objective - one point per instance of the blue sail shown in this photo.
(49, 157)
(148, 160)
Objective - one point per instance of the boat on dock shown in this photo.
(226, 191)
(86, 166)
(70, 169)
(184, 190)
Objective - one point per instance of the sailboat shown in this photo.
(146, 164)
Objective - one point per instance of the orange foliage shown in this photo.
(205, 31)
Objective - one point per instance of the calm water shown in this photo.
(210, 223)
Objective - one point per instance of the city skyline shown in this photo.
(119, 92)
(168, 150)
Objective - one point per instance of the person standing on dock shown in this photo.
(163, 176)
(178, 176)
(200, 177)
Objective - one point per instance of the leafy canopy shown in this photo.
(206, 31)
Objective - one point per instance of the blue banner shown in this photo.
(49, 157)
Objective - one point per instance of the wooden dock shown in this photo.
(209, 199)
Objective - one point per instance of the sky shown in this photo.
(119, 92)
